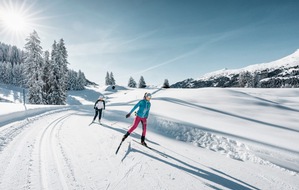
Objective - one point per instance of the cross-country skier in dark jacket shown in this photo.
(99, 106)
(142, 115)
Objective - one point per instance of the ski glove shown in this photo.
(128, 115)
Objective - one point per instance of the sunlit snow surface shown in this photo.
(213, 139)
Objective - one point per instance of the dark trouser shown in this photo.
(98, 111)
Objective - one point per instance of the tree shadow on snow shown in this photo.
(267, 103)
(229, 182)
(87, 94)
(185, 103)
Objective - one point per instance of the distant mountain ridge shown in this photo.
(282, 73)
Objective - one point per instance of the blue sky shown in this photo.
(164, 39)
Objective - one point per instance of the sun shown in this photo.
(17, 20)
(13, 21)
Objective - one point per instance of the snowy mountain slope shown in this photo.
(276, 74)
(286, 62)
(244, 128)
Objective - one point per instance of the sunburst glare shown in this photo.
(17, 20)
(13, 21)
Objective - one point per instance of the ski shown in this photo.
(152, 149)
(118, 147)
(95, 123)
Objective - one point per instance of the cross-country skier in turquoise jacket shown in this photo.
(142, 115)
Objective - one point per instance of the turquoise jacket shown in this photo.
(144, 108)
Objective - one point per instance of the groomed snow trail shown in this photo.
(58, 150)
(34, 158)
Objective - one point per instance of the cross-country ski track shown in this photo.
(57, 149)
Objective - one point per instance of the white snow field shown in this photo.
(208, 138)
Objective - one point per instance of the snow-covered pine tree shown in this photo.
(1, 52)
(10, 60)
(63, 68)
(14, 55)
(58, 74)
(81, 81)
(2, 71)
(45, 76)
(142, 83)
(4, 49)
(33, 64)
(72, 77)
(54, 81)
(76, 81)
(10, 54)
(107, 79)
(112, 80)
(9, 73)
(166, 84)
(18, 73)
(246, 79)
(132, 83)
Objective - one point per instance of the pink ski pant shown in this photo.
(135, 124)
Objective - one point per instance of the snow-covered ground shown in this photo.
(209, 139)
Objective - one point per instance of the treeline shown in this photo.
(283, 77)
(109, 80)
(44, 73)
(278, 78)
(11, 54)
(142, 84)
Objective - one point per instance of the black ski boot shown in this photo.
(125, 136)
(142, 141)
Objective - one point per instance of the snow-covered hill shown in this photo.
(211, 139)
(280, 73)
(286, 62)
